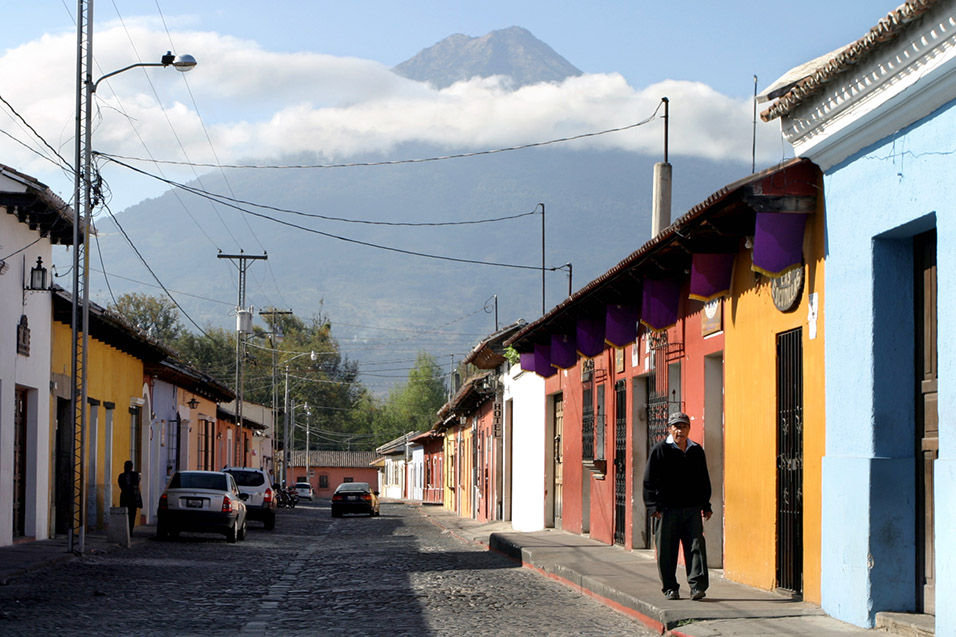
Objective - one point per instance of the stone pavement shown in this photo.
(628, 582)
(29, 556)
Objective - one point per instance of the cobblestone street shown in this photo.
(397, 574)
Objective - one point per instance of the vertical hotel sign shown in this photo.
(496, 415)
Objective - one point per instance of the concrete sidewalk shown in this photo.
(628, 582)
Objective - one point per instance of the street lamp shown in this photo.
(82, 200)
(286, 451)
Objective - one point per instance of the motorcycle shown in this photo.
(282, 498)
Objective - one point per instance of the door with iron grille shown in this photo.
(658, 404)
(790, 460)
(620, 461)
(927, 417)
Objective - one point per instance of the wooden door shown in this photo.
(927, 419)
(20, 464)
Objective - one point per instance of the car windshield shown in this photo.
(247, 478)
(352, 486)
(301, 485)
(214, 481)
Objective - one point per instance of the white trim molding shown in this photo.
(910, 78)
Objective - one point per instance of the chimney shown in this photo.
(661, 210)
(661, 205)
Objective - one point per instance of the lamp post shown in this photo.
(83, 201)
(286, 440)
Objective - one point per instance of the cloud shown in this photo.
(243, 102)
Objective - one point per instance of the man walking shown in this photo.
(677, 496)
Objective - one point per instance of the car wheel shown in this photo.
(242, 531)
(336, 514)
(232, 535)
(270, 521)
(162, 533)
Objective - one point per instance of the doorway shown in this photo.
(557, 487)
(927, 417)
(714, 446)
(63, 470)
(20, 464)
(790, 460)
(620, 461)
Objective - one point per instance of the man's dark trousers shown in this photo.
(678, 527)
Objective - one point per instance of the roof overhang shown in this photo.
(721, 223)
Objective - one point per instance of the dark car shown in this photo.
(201, 502)
(354, 497)
(258, 492)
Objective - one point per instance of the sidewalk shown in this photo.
(29, 556)
(628, 582)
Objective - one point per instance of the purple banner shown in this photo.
(620, 325)
(660, 303)
(590, 336)
(710, 275)
(778, 242)
(542, 361)
(564, 353)
(527, 361)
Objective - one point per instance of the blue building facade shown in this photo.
(879, 119)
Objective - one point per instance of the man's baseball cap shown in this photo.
(678, 418)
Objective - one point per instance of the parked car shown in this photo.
(305, 491)
(261, 494)
(354, 497)
(201, 502)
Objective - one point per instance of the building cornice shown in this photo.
(911, 77)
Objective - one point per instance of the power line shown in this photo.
(368, 244)
(397, 162)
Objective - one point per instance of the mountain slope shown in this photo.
(513, 52)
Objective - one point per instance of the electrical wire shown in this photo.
(329, 235)
(397, 162)
(141, 258)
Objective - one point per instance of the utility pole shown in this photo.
(275, 366)
(543, 306)
(243, 327)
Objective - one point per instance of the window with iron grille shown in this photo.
(587, 411)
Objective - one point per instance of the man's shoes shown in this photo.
(672, 594)
(697, 594)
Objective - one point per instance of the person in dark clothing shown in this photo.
(129, 492)
(677, 496)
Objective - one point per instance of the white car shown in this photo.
(305, 491)
(201, 502)
(258, 494)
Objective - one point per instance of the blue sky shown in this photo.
(281, 77)
(298, 76)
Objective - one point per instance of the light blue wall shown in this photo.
(876, 202)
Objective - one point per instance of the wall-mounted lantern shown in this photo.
(37, 277)
(193, 403)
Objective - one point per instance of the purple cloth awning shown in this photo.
(660, 303)
(527, 361)
(564, 353)
(590, 336)
(542, 361)
(778, 242)
(710, 275)
(620, 325)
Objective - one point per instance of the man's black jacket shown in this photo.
(676, 479)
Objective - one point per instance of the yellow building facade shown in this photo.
(116, 409)
(753, 541)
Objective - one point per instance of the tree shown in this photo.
(414, 405)
(156, 315)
